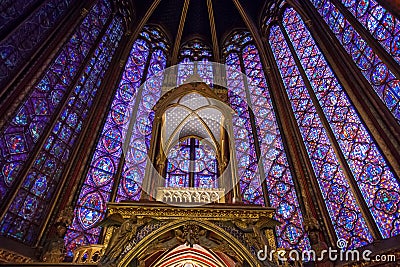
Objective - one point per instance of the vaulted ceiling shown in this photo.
(183, 20)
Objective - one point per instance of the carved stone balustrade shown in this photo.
(189, 195)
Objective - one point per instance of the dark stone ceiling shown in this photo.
(197, 23)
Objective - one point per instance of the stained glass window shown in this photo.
(381, 78)
(31, 203)
(340, 201)
(13, 10)
(281, 191)
(195, 50)
(20, 135)
(147, 54)
(376, 181)
(247, 162)
(24, 41)
(191, 163)
(382, 25)
(185, 70)
(140, 133)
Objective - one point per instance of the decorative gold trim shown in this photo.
(213, 212)
(7, 256)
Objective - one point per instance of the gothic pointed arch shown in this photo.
(195, 113)
(162, 237)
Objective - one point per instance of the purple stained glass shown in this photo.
(23, 42)
(19, 136)
(195, 50)
(206, 167)
(139, 143)
(178, 162)
(44, 176)
(98, 177)
(13, 10)
(247, 163)
(205, 70)
(339, 198)
(185, 70)
(99, 180)
(382, 80)
(371, 171)
(280, 186)
(192, 156)
(382, 25)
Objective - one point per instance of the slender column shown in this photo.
(192, 147)
(153, 176)
(237, 196)
(224, 181)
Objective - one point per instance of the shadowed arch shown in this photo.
(242, 252)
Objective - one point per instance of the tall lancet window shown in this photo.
(23, 40)
(140, 129)
(339, 145)
(250, 93)
(384, 31)
(147, 59)
(195, 50)
(48, 123)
